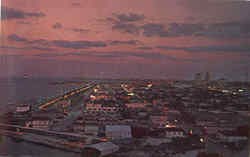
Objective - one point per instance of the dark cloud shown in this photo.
(171, 48)
(126, 18)
(11, 13)
(14, 37)
(49, 55)
(122, 18)
(213, 10)
(125, 23)
(39, 42)
(27, 48)
(82, 44)
(229, 48)
(145, 48)
(153, 29)
(128, 42)
(41, 48)
(179, 29)
(10, 47)
(226, 30)
(121, 54)
(229, 30)
(57, 26)
(173, 29)
(126, 28)
(78, 44)
(80, 30)
(128, 23)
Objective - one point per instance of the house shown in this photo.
(173, 132)
(99, 149)
(118, 131)
(23, 109)
(95, 108)
(39, 123)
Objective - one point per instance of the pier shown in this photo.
(59, 140)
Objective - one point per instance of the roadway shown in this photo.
(65, 96)
(76, 111)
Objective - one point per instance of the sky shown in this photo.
(125, 39)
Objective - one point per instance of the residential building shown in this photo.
(118, 131)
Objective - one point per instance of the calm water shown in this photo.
(17, 90)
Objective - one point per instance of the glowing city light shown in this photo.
(150, 85)
(191, 132)
(170, 126)
(131, 94)
(201, 139)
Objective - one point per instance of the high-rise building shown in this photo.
(207, 77)
(198, 77)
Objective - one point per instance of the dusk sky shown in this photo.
(125, 38)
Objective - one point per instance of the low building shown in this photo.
(23, 109)
(39, 123)
(98, 108)
(174, 132)
(118, 131)
(99, 149)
